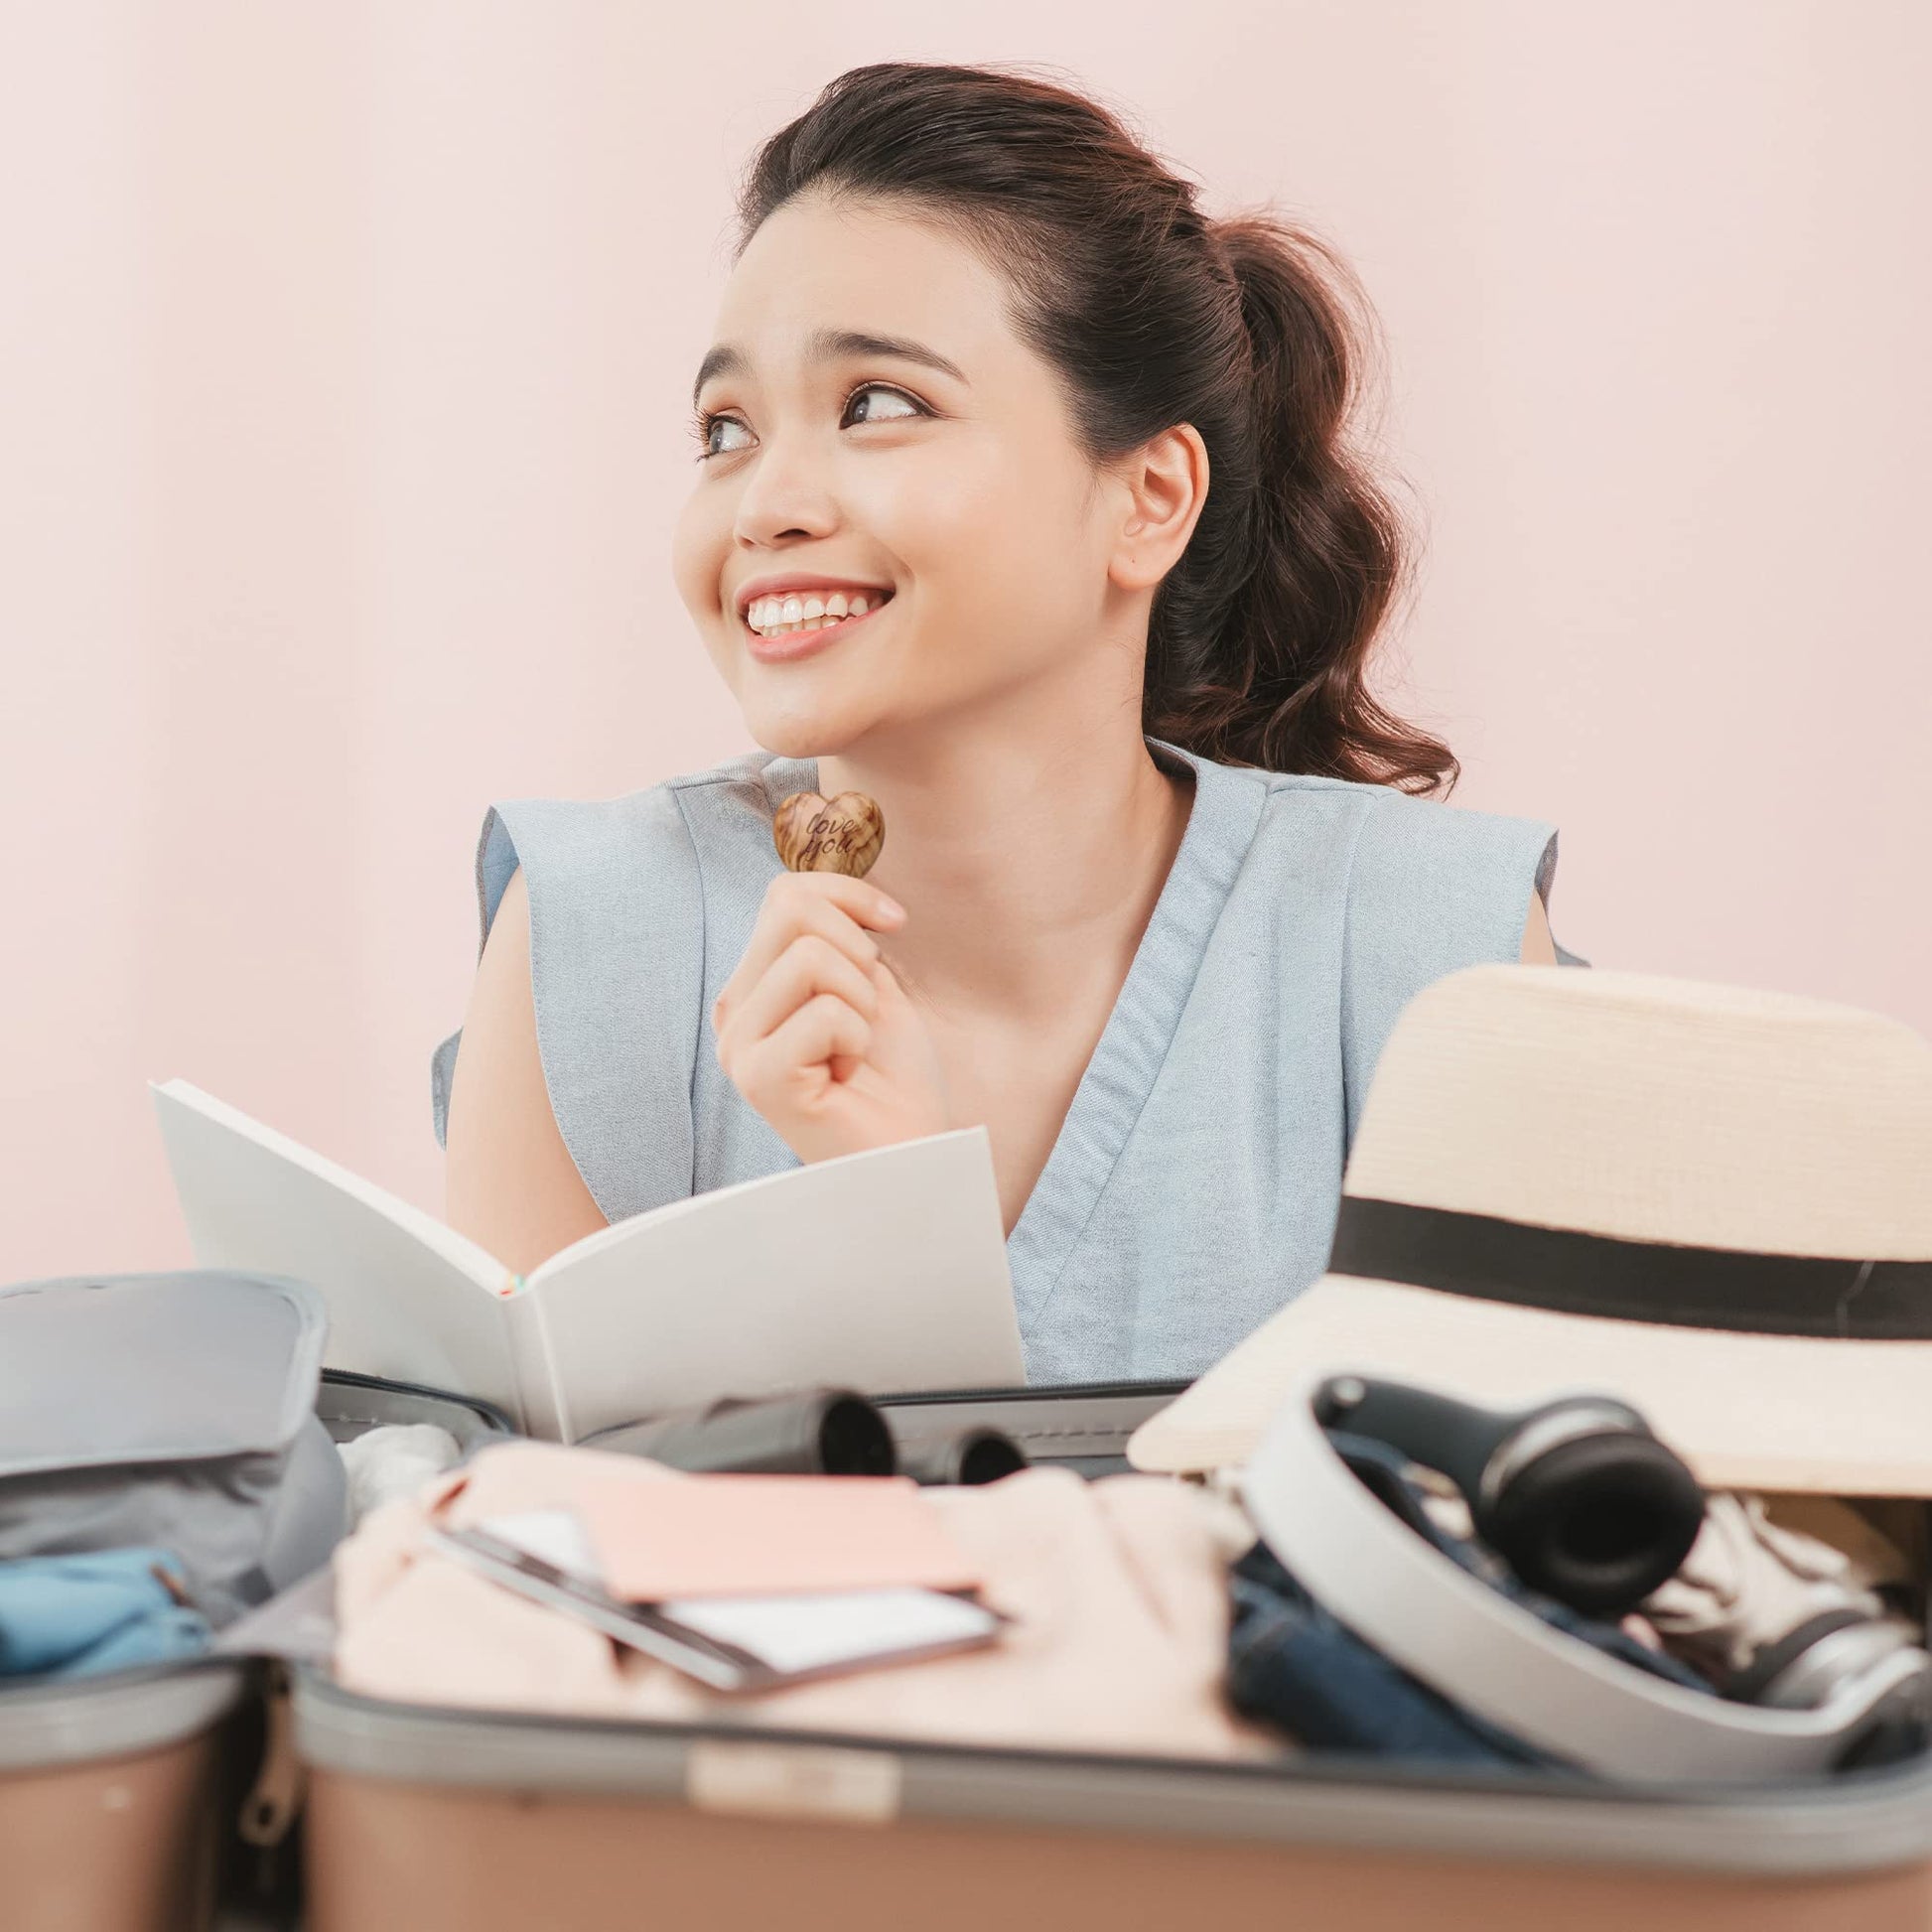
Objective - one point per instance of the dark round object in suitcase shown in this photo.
(987, 1455)
(1597, 1522)
(854, 1441)
(1576, 1496)
(968, 1456)
(808, 1431)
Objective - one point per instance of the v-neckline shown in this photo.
(1126, 1059)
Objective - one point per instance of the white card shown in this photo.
(816, 1632)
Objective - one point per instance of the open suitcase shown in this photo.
(116, 1790)
(421, 1818)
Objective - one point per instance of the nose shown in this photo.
(784, 496)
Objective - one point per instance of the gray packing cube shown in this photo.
(175, 1409)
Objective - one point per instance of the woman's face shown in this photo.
(874, 427)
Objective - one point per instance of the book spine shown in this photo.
(546, 1415)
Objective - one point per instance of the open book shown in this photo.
(883, 1271)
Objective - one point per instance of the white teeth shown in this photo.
(773, 616)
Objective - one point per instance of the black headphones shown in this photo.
(1576, 1496)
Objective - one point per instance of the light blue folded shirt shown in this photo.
(1194, 1185)
(81, 1615)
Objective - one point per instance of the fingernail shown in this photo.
(891, 908)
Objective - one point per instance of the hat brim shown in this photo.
(1745, 1410)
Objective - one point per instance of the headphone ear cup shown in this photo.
(1597, 1522)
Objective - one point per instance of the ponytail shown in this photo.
(1277, 677)
(1153, 315)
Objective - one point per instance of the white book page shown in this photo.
(408, 1296)
(882, 1272)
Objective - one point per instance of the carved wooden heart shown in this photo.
(843, 834)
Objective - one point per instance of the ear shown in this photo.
(1164, 484)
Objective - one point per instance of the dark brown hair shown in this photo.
(1154, 313)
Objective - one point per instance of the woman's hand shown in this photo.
(814, 1030)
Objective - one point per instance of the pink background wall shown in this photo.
(344, 360)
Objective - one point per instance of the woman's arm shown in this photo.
(1539, 948)
(512, 1185)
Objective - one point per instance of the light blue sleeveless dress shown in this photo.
(1193, 1186)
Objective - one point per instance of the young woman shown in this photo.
(1025, 504)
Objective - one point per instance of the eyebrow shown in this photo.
(829, 346)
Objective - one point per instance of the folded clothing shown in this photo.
(109, 1609)
(1118, 1588)
(1292, 1664)
(1754, 1594)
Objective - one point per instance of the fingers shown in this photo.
(886, 991)
(809, 966)
(835, 907)
(825, 1028)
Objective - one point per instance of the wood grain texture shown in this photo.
(843, 834)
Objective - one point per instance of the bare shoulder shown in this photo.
(512, 1185)
(1539, 946)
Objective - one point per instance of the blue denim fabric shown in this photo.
(1292, 1665)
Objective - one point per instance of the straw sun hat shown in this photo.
(1713, 1202)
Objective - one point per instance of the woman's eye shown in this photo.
(899, 406)
(719, 426)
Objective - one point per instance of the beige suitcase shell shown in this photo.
(109, 1799)
(434, 1820)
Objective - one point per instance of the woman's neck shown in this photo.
(1026, 865)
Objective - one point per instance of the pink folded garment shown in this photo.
(1119, 1589)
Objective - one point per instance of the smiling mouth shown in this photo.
(786, 617)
